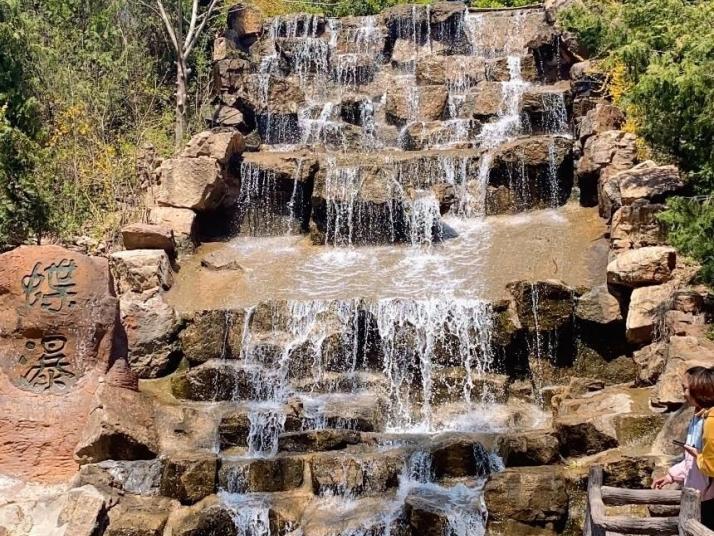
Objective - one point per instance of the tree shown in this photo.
(182, 46)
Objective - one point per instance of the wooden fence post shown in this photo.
(691, 508)
(596, 508)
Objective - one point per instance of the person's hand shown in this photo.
(691, 450)
(661, 482)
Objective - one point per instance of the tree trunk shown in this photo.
(181, 85)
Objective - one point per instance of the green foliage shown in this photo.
(691, 228)
(664, 50)
(22, 209)
(84, 86)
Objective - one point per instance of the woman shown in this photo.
(697, 468)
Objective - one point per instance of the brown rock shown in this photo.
(212, 335)
(267, 475)
(682, 353)
(206, 518)
(139, 516)
(429, 106)
(245, 20)
(194, 183)
(458, 458)
(650, 362)
(644, 266)
(552, 301)
(83, 511)
(57, 323)
(598, 306)
(189, 479)
(653, 183)
(221, 145)
(648, 306)
(602, 118)
(223, 259)
(485, 101)
(362, 474)
(635, 226)
(317, 440)
(113, 433)
(136, 477)
(142, 271)
(530, 495)
(529, 449)
(148, 236)
(152, 327)
(179, 220)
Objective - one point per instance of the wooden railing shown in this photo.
(597, 523)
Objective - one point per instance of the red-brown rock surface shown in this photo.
(57, 322)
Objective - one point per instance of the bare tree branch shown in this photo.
(199, 30)
(192, 25)
(169, 26)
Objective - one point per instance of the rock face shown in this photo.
(533, 496)
(682, 353)
(57, 326)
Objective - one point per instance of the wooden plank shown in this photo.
(597, 507)
(645, 525)
(621, 497)
(690, 509)
(695, 528)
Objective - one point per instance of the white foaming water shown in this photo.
(424, 218)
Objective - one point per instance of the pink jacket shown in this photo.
(687, 472)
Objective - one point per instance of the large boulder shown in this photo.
(245, 20)
(83, 511)
(189, 479)
(142, 271)
(485, 101)
(428, 104)
(598, 306)
(139, 516)
(644, 266)
(57, 329)
(209, 517)
(194, 183)
(645, 316)
(535, 496)
(529, 449)
(602, 118)
(148, 236)
(179, 220)
(262, 475)
(543, 305)
(113, 433)
(636, 226)
(221, 145)
(682, 353)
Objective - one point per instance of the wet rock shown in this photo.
(648, 306)
(317, 440)
(223, 259)
(152, 328)
(543, 305)
(529, 449)
(355, 474)
(138, 477)
(268, 475)
(58, 315)
(485, 101)
(530, 495)
(206, 518)
(227, 117)
(179, 220)
(419, 134)
(426, 516)
(401, 20)
(189, 479)
(650, 362)
(213, 381)
(598, 306)
(636, 226)
(195, 183)
(499, 70)
(682, 353)
(148, 236)
(83, 511)
(233, 430)
(221, 145)
(537, 170)
(440, 70)
(430, 104)
(292, 166)
(142, 271)
(457, 458)
(644, 266)
(139, 516)
(547, 107)
(510, 527)
(602, 118)
(212, 335)
(113, 433)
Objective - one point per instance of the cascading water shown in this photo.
(410, 366)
